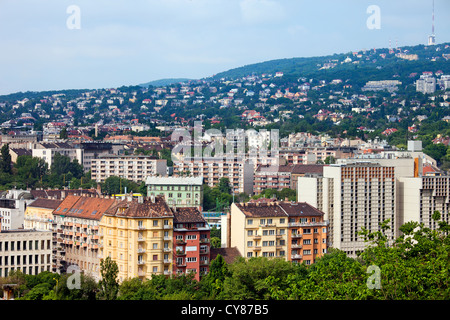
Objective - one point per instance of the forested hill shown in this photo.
(373, 64)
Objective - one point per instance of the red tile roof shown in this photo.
(146, 209)
(84, 207)
(187, 215)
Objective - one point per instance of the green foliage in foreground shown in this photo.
(415, 267)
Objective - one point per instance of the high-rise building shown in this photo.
(426, 84)
(353, 196)
(420, 197)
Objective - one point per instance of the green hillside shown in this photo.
(372, 64)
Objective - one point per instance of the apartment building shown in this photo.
(137, 233)
(132, 167)
(93, 150)
(39, 214)
(283, 176)
(420, 197)
(177, 191)
(47, 151)
(426, 84)
(294, 231)
(239, 171)
(13, 204)
(191, 235)
(26, 250)
(77, 221)
(354, 195)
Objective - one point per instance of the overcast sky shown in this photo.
(130, 42)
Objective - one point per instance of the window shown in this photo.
(249, 221)
(249, 243)
(155, 257)
(155, 246)
(155, 223)
(282, 220)
(191, 259)
(191, 237)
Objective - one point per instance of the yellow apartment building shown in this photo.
(39, 214)
(137, 233)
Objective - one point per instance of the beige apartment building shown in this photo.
(77, 225)
(294, 231)
(26, 250)
(239, 171)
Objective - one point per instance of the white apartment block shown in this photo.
(239, 171)
(132, 167)
(353, 196)
(47, 151)
(421, 196)
(25, 250)
(426, 84)
(13, 204)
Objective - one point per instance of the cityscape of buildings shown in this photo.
(343, 183)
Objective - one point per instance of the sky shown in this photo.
(93, 44)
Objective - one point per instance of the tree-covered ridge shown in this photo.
(415, 267)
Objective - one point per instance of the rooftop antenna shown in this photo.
(432, 37)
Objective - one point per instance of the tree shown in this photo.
(218, 272)
(63, 133)
(5, 160)
(109, 286)
(224, 185)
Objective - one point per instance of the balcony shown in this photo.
(296, 246)
(167, 261)
(167, 249)
(140, 239)
(141, 273)
(141, 262)
(296, 256)
(141, 250)
(296, 235)
(308, 224)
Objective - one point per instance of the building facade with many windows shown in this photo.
(191, 242)
(177, 191)
(26, 250)
(132, 167)
(294, 231)
(137, 233)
